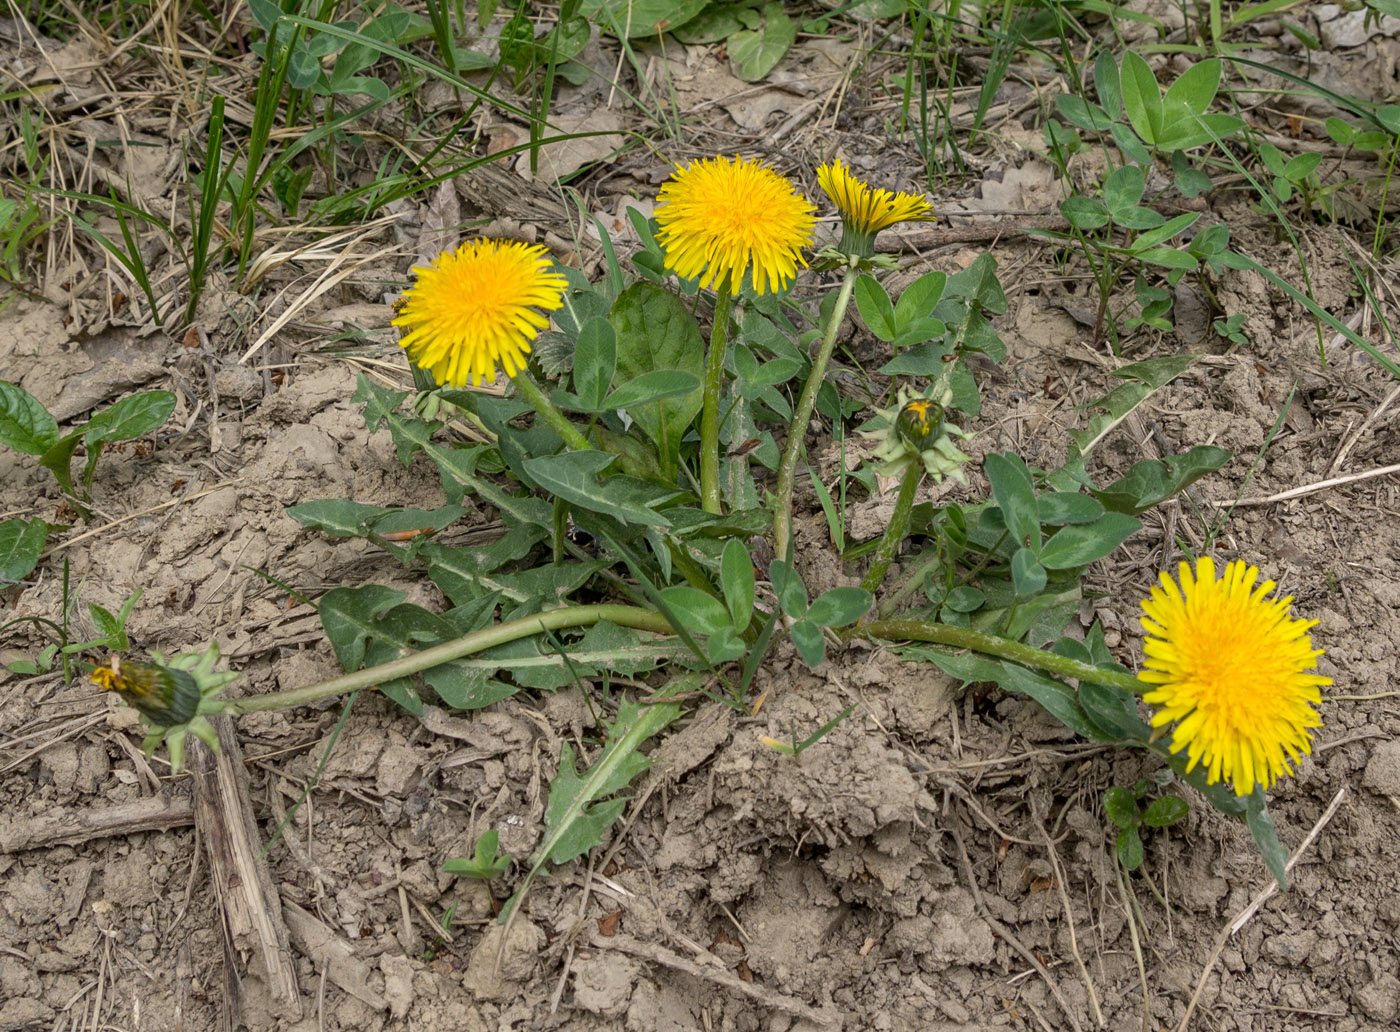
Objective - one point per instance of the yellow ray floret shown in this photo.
(1232, 672)
(476, 307)
(864, 210)
(720, 217)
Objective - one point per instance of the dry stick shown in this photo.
(1321, 485)
(1263, 896)
(1005, 933)
(1069, 920)
(251, 907)
(69, 828)
(1352, 438)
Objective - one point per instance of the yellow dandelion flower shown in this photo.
(1231, 670)
(864, 210)
(476, 307)
(719, 216)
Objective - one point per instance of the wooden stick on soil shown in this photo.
(70, 827)
(252, 911)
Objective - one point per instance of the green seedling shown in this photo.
(1121, 805)
(485, 864)
(796, 748)
(26, 426)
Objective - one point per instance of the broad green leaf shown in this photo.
(875, 307)
(1129, 846)
(697, 611)
(652, 387)
(1084, 212)
(595, 362)
(1113, 710)
(1027, 573)
(756, 53)
(1081, 544)
(1169, 258)
(736, 576)
(979, 284)
(1107, 83)
(792, 594)
(640, 18)
(1057, 508)
(21, 545)
(1194, 90)
(838, 607)
(811, 646)
(1165, 811)
(1146, 377)
(25, 425)
(1014, 493)
(1165, 231)
(1120, 806)
(1123, 188)
(1153, 481)
(628, 652)
(573, 476)
(1142, 98)
(1081, 114)
(336, 517)
(534, 663)
(1136, 218)
(1301, 166)
(656, 331)
(919, 299)
(1261, 827)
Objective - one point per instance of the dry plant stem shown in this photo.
(991, 645)
(797, 429)
(69, 827)
(898, 527)
(1005, 933)
(709, 407)
(530, 391)
(477, 641)
(1263, 896)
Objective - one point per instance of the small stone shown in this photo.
(1292, 949)
(398, 983)
(1380, 1001)
(518, 959)
(603, 983)
(400, 770)
(1383, 769)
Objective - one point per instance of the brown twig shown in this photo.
(70, 827)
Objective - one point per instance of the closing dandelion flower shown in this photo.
(476, 307)
(865, 211)
(720, 216)
(175, 696)
(1231, 669)
(917, 430)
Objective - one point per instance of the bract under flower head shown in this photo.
(476, 307)
(721, 217)
(1231, 670)
(916, 429)
(865, 211)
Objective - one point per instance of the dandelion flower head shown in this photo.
(1233, 671)
(721, 216)
(864, 210)
(476, 307)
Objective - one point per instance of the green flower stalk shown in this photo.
(175, 697)
(722, 219)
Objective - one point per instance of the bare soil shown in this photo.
(940, 861)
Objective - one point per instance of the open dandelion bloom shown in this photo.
(864, 210)
(1231, 669)
(719, 216)
(475, 307)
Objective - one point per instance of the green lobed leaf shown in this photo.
(25, 425)
(573, 476)
(1153, 481)
(1113, 710)
(1123, 188)
(348, 618)
(1084, 212)
(1058, 698)
(21, 546)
